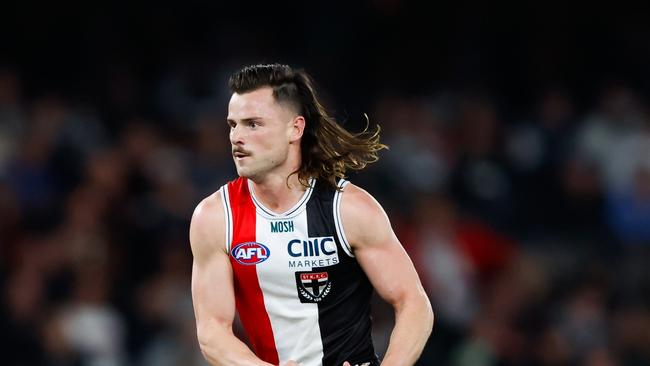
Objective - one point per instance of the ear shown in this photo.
(297, 128)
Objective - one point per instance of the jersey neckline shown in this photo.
(297, 208)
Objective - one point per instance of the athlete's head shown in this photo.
(274, 114)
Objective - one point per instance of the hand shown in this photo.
(290, 363)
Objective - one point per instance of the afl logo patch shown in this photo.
(250, 253)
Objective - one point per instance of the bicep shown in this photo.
(389, 269)
(212, 282)
(212, 289)
(378, 250)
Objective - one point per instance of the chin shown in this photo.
(242, 173)
(245, 173)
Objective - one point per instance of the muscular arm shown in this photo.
(391, 272)
(212, 288)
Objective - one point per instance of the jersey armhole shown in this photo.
(225, 202)
(338, 222)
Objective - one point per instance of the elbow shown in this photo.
(204, 345)
(208, 334)
(428, 314)
(203, 337)
(425, 310)
(211, 351)
(419, 306)
(431, 316)
(204, 352)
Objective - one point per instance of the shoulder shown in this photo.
(207, 227)
(364, 219)
(358, 200)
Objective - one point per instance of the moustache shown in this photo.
(240, 151)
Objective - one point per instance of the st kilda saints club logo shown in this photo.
(250, 253)
(313, 286)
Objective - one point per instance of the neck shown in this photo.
(277, 193)
(274, 190)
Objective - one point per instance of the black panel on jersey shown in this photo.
(344, 311)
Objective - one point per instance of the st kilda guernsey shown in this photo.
(300, 293)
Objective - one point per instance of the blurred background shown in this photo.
(518, 177)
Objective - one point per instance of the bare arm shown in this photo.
(391, 272)
(212, 288)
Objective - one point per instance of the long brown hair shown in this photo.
(328, 150)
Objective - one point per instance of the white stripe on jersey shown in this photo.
(225, 201)
(267, 213)
(337, 219)
(295, 324)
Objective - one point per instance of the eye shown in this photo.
(253, 124)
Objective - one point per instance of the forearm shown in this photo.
(413, 324)
(221, 347)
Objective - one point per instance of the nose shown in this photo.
(236, 135)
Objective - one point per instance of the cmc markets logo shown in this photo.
(313, 252)
(250, 253)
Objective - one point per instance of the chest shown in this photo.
(293, 257)
(285, 244)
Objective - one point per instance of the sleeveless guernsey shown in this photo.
(300, 293)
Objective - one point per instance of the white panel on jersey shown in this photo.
(225, 201)
(269, 214)
(338, 222)
(295, 324)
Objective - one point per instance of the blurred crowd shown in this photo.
(529, 226)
